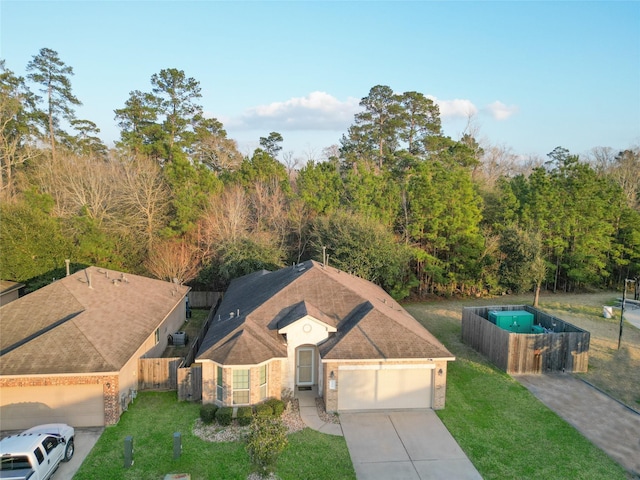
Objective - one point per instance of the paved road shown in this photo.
(604, 421)
(632, 316)
(404, 445)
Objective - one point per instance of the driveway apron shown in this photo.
(404, 445)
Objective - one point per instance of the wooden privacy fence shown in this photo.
(190, 383)
(179, 374)
(203, 299)
(158, 373)
(565, 348)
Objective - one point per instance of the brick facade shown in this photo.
(209, 387)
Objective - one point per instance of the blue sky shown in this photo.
(534, 75)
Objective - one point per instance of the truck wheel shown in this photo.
(68, 452)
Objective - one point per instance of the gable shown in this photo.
(303, 311)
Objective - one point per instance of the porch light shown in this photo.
(440, 372)
(332, 375)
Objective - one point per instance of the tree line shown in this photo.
(396, 202)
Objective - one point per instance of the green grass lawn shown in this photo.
(507, 433)
(152, 421)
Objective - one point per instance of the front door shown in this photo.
(305, 366)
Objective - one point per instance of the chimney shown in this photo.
(67, 261)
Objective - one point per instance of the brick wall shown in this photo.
(209, 383)
(440, 385)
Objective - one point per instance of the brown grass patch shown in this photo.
(614, 371)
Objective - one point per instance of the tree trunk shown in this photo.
(536, 295)
(52, 136)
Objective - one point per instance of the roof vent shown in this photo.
(231, 314)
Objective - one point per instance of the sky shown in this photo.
(526, 76)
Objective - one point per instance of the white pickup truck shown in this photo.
(36, 453)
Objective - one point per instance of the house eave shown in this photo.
(387, 360)
(57, 375)
(238, 365)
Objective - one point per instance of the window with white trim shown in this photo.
(219, 390)
(263, 382)
(241, 386)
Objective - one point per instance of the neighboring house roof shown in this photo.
(369, 323)
(91, 321)
(7, 286)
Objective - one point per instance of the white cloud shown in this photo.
(320, 111)
(316, 111)
(456, 108)
(500, 111)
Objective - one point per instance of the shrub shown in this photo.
(267, 439)
(277, 406)
(264, 410)
(244, 416)
(208, 412)
(224, 415)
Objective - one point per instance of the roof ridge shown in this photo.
(38, 333)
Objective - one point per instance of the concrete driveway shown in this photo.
(85, 439)
(404, 445)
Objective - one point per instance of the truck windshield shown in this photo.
(19, 462)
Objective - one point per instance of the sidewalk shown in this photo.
(309, 413)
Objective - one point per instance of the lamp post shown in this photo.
(624, 297)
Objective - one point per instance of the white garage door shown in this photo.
(77, 405)
(392, 387)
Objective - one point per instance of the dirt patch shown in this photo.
(614, 371)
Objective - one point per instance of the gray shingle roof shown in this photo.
(71, 327)
(370, 324)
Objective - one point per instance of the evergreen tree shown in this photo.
(51, 73)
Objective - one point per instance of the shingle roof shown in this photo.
(73, 327)
(370, 324)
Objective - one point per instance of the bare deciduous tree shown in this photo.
(174, 259)
(218, 152)
(227, 216)
(497, 161)
(269, 210)
(79, 185)
(143, 197)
